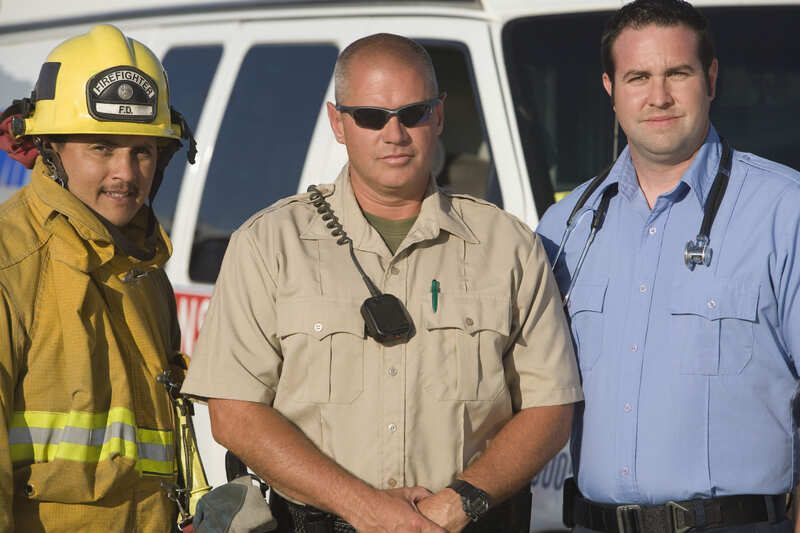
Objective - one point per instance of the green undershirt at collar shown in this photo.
(392, 231)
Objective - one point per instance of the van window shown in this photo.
(758, 92)
(565, 120)
(463, 163)
(262, 143)
(565, 117)
(190, 70)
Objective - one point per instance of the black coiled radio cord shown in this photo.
(385, 317)
(324, 209)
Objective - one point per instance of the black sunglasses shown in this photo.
(375, 118)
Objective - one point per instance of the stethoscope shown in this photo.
(696, 252)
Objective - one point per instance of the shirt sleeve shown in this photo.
(541, 366)
(8, 377)
(237, 356)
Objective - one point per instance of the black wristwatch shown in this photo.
(474, 500)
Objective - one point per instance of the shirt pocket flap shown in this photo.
(587, 297)
(715, 299)
(320, 318)
(469, 313)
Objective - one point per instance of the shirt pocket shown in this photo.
(323, 349)
(713, 325)
(585, 309)
(463, 344)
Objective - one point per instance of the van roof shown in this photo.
(42, 14)
(23, 16)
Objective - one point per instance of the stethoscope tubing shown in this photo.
(564, 239)
(695, 253)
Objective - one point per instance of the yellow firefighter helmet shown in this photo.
(101, 83)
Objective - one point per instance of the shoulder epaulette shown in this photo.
(464, 196)
(303, 197)
(767, 165)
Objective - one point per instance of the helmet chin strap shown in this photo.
(52, 161)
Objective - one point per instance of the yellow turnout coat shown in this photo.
(86, 430)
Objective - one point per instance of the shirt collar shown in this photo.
(436, 214)
(698, 177)
(701, 173)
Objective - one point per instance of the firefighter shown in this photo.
(88, 326)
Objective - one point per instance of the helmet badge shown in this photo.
(125, 91)
(122, 94)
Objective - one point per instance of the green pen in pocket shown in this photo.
(435, 295)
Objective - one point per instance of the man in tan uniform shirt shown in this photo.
(374, 433)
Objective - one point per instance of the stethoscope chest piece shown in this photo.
(697, 252)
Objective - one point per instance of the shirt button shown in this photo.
(712, 304)
(643, 288)
(634, 347)
(392, 371)
(392, 482)
(318, 327)
(625, 471)
(392, 428)
(628, 408)
(652, 231)
(468, 321)
(395, 271)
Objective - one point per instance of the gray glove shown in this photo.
(235, 507)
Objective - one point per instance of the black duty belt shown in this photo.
(672, 517)
(511, 516)
(294, 518)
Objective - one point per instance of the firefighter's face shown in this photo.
(112, 174)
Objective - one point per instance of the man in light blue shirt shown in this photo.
(687, 358)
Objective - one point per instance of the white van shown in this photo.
(526, 115)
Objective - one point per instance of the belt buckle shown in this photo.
(624, 520)
(673, 508)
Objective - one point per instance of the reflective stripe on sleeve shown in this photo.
(91, 437)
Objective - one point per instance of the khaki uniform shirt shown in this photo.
(284, 328)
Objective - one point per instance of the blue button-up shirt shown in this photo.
(689, 376)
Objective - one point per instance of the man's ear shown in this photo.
(439, 114)
(713, 72)
(608, 85)
(336, 119)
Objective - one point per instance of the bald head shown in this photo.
(381, 47)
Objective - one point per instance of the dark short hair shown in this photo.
(398, 46)
(665, 13)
